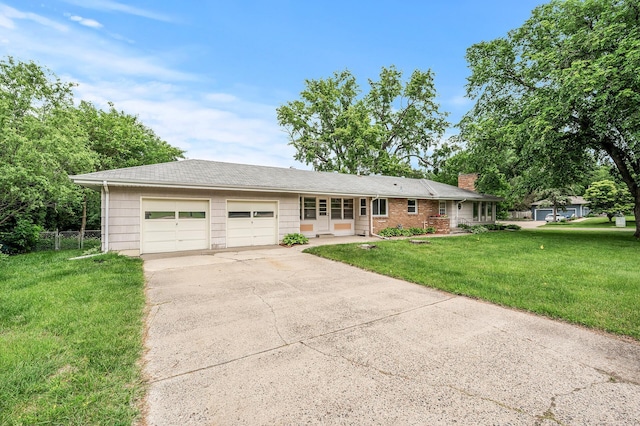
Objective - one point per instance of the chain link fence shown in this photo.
(66, 240)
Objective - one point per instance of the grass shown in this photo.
(70, 339)
(589, 278)
(594, 222)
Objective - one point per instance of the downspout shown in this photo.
(105, 249)
(371, 218)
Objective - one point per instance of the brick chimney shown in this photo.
(467, 181)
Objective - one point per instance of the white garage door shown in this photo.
(174, 225)
(252, 223)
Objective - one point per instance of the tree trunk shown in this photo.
(636, 212)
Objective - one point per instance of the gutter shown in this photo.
(105, 188)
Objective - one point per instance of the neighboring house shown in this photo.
(577, 206)
(199, 205)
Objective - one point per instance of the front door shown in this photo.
(323, 215)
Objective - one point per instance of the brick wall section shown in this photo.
(442, 224)
(398, 215)
(468, 181)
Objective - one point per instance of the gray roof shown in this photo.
(218, 175)
(573, 200)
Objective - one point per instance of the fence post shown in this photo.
(56, 240)
(81, 240)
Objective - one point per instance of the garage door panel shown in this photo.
(187, 228)
(251, 223)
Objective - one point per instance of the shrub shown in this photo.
(395, 232)
(464, 226)
(22, 238)
(513, 227)
(417, 231)
(293, 239)
(478, 229)
(430, 230)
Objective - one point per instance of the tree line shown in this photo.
(556, 108)
(45, 136)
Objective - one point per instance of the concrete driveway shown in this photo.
(275, 336)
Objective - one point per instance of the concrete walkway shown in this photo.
(275, 336)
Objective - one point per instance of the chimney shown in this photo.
(467, 181)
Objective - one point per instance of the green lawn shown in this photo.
(590, 278)
(594, 222)
(70, 339)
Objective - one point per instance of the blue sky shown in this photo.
(207, 76)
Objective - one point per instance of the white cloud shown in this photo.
(113, 6)
(8, 14)
(200, 126)
(85, 21)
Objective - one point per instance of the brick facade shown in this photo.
(397, 214)
(467, 181)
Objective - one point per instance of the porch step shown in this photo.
(325, 235)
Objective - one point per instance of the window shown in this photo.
(412, 206)
(363, 206)
(309, 208)
(475, 211)
(341, 208)
(442, 208)
(263, 214)
(483, 211)
(159, 215)
(336, 208)
(239, 215)
(322, 207)
(192, 215)
(379, 207)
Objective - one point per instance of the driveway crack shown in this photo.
(273, 313)
(356, 363)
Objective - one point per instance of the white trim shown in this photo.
(386, 207)
(415, 200)
(106, 216)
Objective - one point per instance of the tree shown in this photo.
(386, 131)
(118, 140)
(606, 197)
(121, 140)
(40, 143)
(558, 198)
(562, 91)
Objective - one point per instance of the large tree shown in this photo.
(40, 143)
(562, 90)
(393, 129)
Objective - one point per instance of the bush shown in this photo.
(513, 227)
(293, 239)
(430, 230)
(22, 238)
(417, 231)
(464, 226)
(478, 229)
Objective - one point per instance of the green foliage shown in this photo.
(478, 229)
(40, 143)
(294, 238)
(605, 197)
(23, 237)
(408, 232)
(513, 227)
(559, 93)
(44, 138)
(333, 128)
